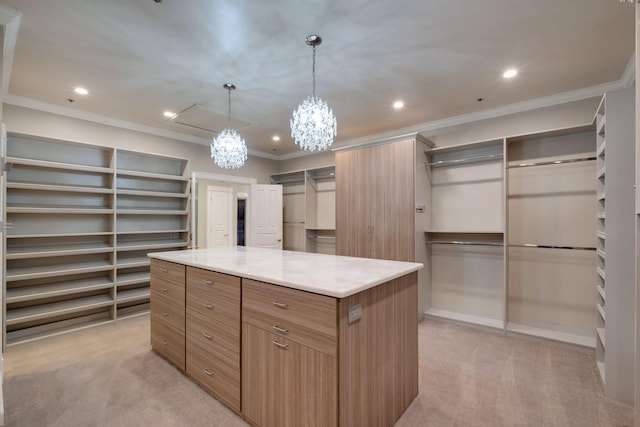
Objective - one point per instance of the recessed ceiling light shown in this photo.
(169, 114)
(398, 105)
(276, 138)
(81, 91)
(511, 72)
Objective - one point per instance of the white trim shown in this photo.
(629, 74)
(9, 23)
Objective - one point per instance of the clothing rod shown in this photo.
(289, 181)
(554, 162)
(529, 245)
(320, 237)
(293, 222)
(456, 242)
(465, 160)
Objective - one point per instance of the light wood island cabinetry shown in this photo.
(288, 338)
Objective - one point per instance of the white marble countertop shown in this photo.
(331, 275)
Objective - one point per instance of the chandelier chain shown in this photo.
(313, 73)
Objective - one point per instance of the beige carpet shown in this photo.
(107, 376)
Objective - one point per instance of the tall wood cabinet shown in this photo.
(80, 221)
(375, 188)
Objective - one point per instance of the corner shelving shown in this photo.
(80, 221)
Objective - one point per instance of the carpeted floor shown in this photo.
(107, 376)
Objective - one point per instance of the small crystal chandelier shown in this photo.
(313, 124)
(228, 150)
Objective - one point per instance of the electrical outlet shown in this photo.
(355, 313)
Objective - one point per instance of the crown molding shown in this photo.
(21, 101)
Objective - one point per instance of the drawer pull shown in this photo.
(208, 372)
(280, 305)
(281, 330)
(164, 313)
(207, 336)
(164, 289)
(208, 282)
(284, 346)
(209, 306)
(164, 342)
(165, 270)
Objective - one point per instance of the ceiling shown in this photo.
(140, 58)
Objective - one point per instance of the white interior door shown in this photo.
(219, 216)
(265, 221)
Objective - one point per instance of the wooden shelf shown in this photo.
(133, 262)
(58, 188)
(151, 211)
(61, 235)
(57, 210)
(465, 318)
(29, 293)
(149, 193)
(132, 310)
(57, 165)
(601, 336)
(124, 279)
(121, 233)
(601, 292)
(601, 312)
(601, 273)
(136, 294)
(151, 175)
(25, 335)
(43, 311)
(151, 244)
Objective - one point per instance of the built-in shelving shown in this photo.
(81, 220)
(309, 209)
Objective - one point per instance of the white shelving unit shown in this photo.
(465, 251)
(81, 220)
(309, 199)
(511, 242)
(615, 272)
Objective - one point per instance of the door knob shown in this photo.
(226, 234)
(279, 240)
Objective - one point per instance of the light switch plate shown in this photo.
(420, 208)
(355, 313)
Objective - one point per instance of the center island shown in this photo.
(287, 338)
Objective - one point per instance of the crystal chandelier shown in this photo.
(313, 124)
(228, 149)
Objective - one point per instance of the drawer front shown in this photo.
(215, 376)
(168, 314)
(323, 343)
(169, 343)
(168, 271)
(171, 292)
(222, 285)
(214, 338)
(212, 306)
(317, 313)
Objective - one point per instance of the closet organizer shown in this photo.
(511, 244)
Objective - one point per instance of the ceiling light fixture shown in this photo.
(81, 91)
(398, 105)
(276, 138)
(512, 72)
(228, 150)
(313, 124)
(169, 114)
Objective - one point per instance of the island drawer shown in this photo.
(216, 376)
(212, 306)
(170, 314)
(219, 284)
(168, 271)
(168, 342)
(315, 313)
(214, 338)
(166, 290)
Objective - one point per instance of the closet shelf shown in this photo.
(35, 292)
(129, 295)
(149, 193)
(601, 235)
(601, 253)
(601, 292)
(41, 271)
(58, 188)
(132, 310)
(601, 336)
(465, 231)
(552, 162)
(57, 210)
(467, 318)
(54, 235)
(601, 273)
(133, 262)
(601, 312)
(43, 311)
(468, 243)
(125, 279)
(151, 175)
(56, 328)
(151, 244)
(57, 250)
(123, 233)
(57, 165)
(150, 211)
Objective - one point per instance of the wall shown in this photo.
(39, 123)
(310, 161)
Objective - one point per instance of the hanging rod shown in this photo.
(554, 162)
(289, 181)
(465, 160)
(529, 245)
(457, 242)
(293, 222)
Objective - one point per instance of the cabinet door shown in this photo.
(286, 384)
(352, 203)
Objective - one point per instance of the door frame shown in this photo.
(195, 176)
